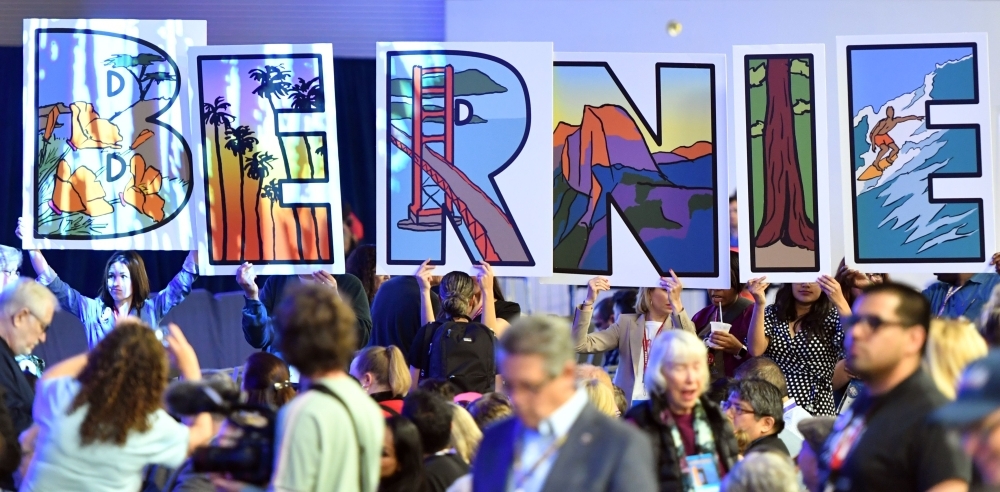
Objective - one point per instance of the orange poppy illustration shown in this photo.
(90, 131)
(78, 191)
(143, 187)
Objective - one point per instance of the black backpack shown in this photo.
(462, 352)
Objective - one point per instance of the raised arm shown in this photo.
(424, 282)
(187, 363)
(678, 316)
(256, 323)
(178, 288)
(756, 339)
(589, 343)
(833, 291)
(489, 303)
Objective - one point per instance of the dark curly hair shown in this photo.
(361, 264)
(122, 384)
(812, 322)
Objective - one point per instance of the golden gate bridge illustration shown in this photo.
(493, 234)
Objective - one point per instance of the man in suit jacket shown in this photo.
(558, 441)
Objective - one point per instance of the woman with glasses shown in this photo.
(802, 333)
(688, 431)
(124, 292)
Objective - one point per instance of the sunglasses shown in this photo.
(872, 321)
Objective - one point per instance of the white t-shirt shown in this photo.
(61, 463)
(639, 392)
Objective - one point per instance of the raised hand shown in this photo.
(19, 231)
(757, 287)
(324, 278)
(247, 279)
(485, 276)
(995, 261)
(595, 286)
(673, 286)
(831, 288)
(424, 274)
(183, 353)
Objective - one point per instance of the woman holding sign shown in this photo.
(658, 309)
(124, 292)
(802, 333)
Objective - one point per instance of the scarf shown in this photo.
(704, 442)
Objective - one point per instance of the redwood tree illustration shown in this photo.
(784, 205)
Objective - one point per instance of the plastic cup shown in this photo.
(718, 326)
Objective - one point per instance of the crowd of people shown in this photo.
(437, 383)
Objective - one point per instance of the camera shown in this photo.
(251, 457)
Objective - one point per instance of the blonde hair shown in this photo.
(387, 366)
(674, 346)
(465, 434)
(601, 396)
(951, 345)
(586, 372)
(642, 302)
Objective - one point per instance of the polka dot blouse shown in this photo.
(806, 360)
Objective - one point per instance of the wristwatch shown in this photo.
(742, 353)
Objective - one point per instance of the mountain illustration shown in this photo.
(667, 198)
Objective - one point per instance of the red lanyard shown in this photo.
(647, 344)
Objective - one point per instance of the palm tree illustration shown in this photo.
(274, 82)
(257, 167)
(215, 114)
(272, 191)
(240, 141)
(307, 97)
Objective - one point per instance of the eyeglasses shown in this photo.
(727, 405)
(11, 273)
(530, 388)
(45, 327)
(872, 321)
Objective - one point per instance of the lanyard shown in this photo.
(951, 291)
(647, 344)
(521, 477)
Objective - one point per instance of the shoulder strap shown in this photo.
(389, 409)
(357, 435)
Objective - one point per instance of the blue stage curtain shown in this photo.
(355, 96)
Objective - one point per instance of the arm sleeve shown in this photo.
(685, 321)
(178, 288)
(72, 301)
(354, 294)
(939, 458)
(167, 442)
(599, 341)
(635, 465)
(258, 329)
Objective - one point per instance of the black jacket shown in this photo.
(15, 413)
(646, 416)
(396, 313)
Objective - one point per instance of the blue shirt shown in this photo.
(98, 318)
(535, 443)
(967, 300)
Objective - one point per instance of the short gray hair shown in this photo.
(673, 346)
(547, 336)
(10, 258)
(764, 470)
(26, 293)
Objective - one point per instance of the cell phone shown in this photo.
(161, 333)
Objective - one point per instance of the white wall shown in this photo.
(353, 26)
(714, 26)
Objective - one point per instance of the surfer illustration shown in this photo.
(882, 142)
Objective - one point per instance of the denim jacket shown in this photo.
(98, 319)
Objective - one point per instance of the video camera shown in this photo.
(251, 458)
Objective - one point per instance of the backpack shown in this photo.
(462, 352)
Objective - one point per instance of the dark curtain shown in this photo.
(219, 342)
(355, 95)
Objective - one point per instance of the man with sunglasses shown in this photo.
(884, 441)
(26, 311)
(976, 414)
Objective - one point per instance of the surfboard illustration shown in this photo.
(875, 170)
